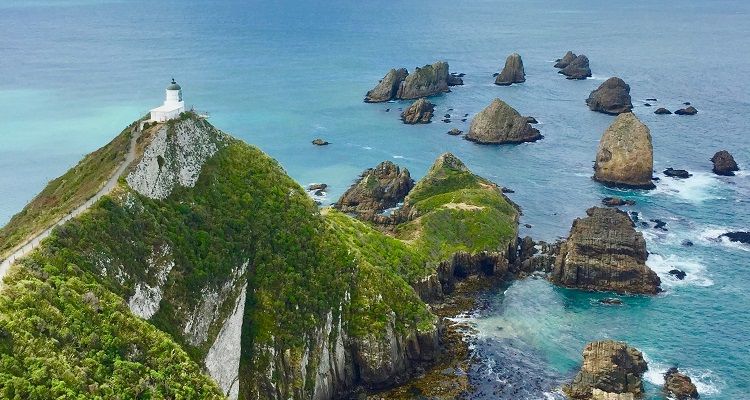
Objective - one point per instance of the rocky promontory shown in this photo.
(679, 385)
(376, 190)
(577, 69)
(499, 123)
(724, 163)
(605, 252)
(611, 370)
(512, 71)
(612, 97)
(625, 157)
(420, 112)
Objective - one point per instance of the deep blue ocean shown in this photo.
(278, 74)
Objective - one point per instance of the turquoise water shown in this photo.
(279, 74)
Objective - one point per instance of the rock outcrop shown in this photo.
(512, 71)
(678, 385)
(677, 173)
(420, 112)
(455, 132)
(499, 123)
(320, 142)
(611, 371)
(376, 190)
(739, 236)
(577, 69)
(425, 81)
(625, 157)
(662, 111)
(687, 111)
(567, 59)
(612, 97)
(605, 252)
(388, 87)
(724, 163)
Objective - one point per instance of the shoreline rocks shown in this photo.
(604, 252)
(376, 190)
(724, 163)
(625, 157)
(512, 72)
(679, 385)
(611, 370)
(420, 112)
(499, 123)
(612, 97)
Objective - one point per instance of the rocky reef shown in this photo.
(499, 123)
(376, 190)
(429, 80)
(419, 112)
(724, 163)
(679, 386)
(512, 71)
(611, 371)
(604, 252)
(625, 157)
(611, 97)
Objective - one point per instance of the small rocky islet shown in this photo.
(574, 67)
(399, 84)
(512, 72)
(499, 123)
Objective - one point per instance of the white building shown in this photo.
(173, 104)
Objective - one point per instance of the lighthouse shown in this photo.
(173, 104)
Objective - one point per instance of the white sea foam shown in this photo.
(698, 188)
(706, 381)
(712, 236)
(398, 156)
(695, 271)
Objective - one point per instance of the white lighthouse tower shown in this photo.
(173, 104)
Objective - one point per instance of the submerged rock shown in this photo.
(320, 142)
(577, 69)
(662, 111)
(724, 163)
(455, 132)
(499, 123)
(612, 97)
(567, 58)
(614, 301)
(611, 371)
(605, 252)
(625, 154)
(455, 79)
(377, 189)
(679, 274)
(512, 71)
(420, 112)
(425, 81)
(617, 202)
(677, 173)
(679, 385)
(387, 88)
(687, 111)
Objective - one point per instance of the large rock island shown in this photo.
(500, 123)
(625, 157)
(429, 80)
(605, 252)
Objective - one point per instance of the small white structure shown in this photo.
(173, 104)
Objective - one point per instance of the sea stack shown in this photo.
(387, 88)
(426, 81)
(604, 252)
(625, 157)
(512, 72)
(611, 371)
(612, 97)
(577, 69)
(567, 58)
(499, 123)
(679, 386)
(377, 189)
(420, 112)
(724, 163)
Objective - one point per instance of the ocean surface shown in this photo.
(281, 73)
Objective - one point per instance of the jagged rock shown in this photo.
(679, 385)
(687, 111)
(512, 71)
(567, 58)
(724, 163)
(625, 156)
(677, 173)
(388, 87)
(499, 123)
(659, 224)
(320, 142)
(426, 81)
(612, 97)
(455, 79)
(605, 252)
(611, 371)
(317, 186)
(679, 274)
(617, 202)
(455, 132)
(662, 111)
(377, 189)
(741, 237)
(577, 69)
(420, 112)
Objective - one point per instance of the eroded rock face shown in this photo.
(625, 156)
(387, 88)
(512, 71)
(223, 358)
(376, 190)
(577, 69)
(499, 123)
(605, 252)
(679, 385)
(611, 371)
(724, 163)
(567, 58)
(425, 81)
(420, 112)
(612, 97)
